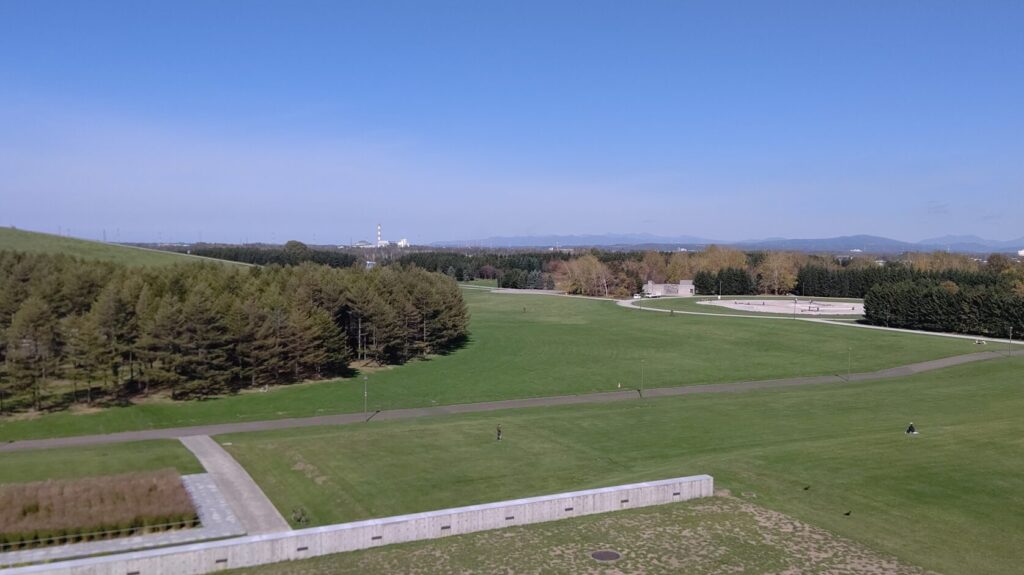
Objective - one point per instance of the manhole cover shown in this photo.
(605, 555)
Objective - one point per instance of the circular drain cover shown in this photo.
(605, 555)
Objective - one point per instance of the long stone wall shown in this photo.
(272, 548)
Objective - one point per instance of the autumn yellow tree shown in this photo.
(584, 276)
(777, 273)
(680, 267)
(715, 259)
(653, 267)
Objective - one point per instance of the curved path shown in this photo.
(603, 397)
(631, 304)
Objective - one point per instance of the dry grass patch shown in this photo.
(68, 511)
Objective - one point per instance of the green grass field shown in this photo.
(76, 462)
(536, 345)
(951, 499)
(480, 283)
(692, 305)
(706, 537)
(35, 242)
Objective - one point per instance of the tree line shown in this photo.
(199, 329)
(821, 281)
(992, 309)
(521, 270)
(293, 253)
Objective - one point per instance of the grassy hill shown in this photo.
(35, 242)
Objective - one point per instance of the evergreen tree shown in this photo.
(32, 351)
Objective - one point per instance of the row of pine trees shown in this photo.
(201, 329)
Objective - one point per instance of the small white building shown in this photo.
(1020, 253)
(403, 243)
(682, 289)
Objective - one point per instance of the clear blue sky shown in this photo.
(455, 120)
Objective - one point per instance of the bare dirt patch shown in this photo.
(309, 470)
(802, 307)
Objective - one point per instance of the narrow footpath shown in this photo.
(602, 397)
(251, 506)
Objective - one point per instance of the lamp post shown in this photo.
(641, 378)
(849, 363)
(365, 395)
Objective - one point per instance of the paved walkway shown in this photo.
(215, 515)
(255, 512)
(638, 305)
(350, 418)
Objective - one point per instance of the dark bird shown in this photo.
(848, 513)
(807, 487)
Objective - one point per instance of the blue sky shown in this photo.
(266, 121)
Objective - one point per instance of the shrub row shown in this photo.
(56, 512)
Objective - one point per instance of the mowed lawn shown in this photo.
(706, 537)
(39, 243)
(93, 461)
(537, 345)
(950, 499)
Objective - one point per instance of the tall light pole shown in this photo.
(1009, 344)
(849, 363)
(641, 378)
(365, 395)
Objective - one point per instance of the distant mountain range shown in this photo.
(864, 243)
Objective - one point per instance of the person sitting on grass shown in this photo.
(911, 430)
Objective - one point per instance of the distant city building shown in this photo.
(1020, 253)
(370, 264)
(403, 243)
(684, 288)
(362, 244)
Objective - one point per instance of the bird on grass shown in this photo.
(848, 513)
(807, 487)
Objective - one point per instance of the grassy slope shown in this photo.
(75, 462)
(480, 283)
(951, 499)
(34, 242)
(708, 537)
(535, 345)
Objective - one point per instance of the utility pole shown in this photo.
(365, 396)
(641, 378)
(849, 363)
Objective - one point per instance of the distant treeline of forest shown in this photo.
(994, 309)
(819, 281)
(713, 270)
(201, 329)
(293, 253)
(937, 291)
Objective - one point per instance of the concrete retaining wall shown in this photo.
(272, 548)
